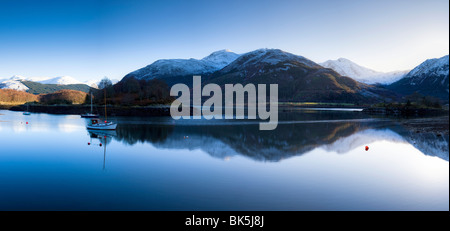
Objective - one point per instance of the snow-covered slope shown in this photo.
(183, 67)
(433, 67)
(388, 77)
(348, 68)
(12, 84)
(62, 80)
(359, 73)
(430, 78)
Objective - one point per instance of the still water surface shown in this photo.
(314, 160)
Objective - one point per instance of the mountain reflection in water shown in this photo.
(288, 140)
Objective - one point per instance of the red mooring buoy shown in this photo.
(367, 148)
(89, 143)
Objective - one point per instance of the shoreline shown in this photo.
(405, 112)
(427, 121)
(438, 125)
(156, 110)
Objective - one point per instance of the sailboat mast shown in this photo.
(104, 154)
(106, 116)
(92, 111)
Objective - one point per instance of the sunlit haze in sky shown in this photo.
(97, 38)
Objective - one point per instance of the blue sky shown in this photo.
(92, 39)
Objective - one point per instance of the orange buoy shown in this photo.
(367, 148)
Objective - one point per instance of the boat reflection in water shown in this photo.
(101, 138)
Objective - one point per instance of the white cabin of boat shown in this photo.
(101, 125)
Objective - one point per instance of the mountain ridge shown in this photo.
(298, 78)
(182, 67)
(16, 82)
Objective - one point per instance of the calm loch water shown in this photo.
(314, 160)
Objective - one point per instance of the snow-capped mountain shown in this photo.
(262, 62)
(183, 67)
(429, 78)
(62, 80)
(15, 82)
(267, 56)
(298, 78)
(362, 74)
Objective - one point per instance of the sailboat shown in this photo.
(98, 124)
(27, 112)
(90, 115)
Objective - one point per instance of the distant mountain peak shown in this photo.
(344, 60)
(17, 77)
(61, 80)
(223, 51)
(362, 74)
(220, 58)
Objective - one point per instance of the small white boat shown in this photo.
(98, 124)
(89, 115)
